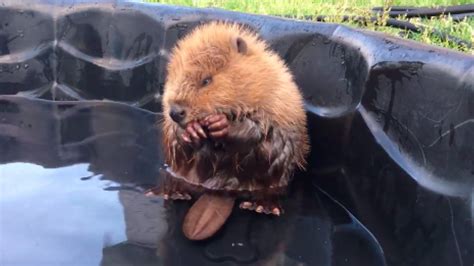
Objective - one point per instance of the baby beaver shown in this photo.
(234, 121)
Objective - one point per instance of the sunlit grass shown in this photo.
(335, 8)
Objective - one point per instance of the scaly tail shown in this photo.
(207, 215)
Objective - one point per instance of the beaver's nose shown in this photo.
(177, 113)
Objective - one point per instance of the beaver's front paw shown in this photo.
(193, 134)
(217, 125)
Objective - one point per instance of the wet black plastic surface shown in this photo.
(391, 125)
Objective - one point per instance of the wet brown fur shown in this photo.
(256, 91)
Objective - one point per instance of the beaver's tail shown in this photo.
(207, 215)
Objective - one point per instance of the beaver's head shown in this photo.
(212, 70)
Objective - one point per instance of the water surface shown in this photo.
(72, 178)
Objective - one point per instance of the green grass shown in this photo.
(333, 8)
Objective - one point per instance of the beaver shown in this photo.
(234, 122)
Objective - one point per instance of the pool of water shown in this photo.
(390, 179)
(72, 182)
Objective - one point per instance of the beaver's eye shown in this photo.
(206, 81)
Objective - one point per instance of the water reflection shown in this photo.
(51, 216)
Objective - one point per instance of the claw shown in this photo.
(262, 207)
(185, 137)
(181, 196)
(247, 205)
(276, 211)
(197, 127)
(150, 193)
(192, 132)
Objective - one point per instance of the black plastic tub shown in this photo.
(391, 173)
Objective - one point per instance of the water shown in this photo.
(72, 182)
(48, 218)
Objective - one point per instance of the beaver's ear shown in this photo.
(239, 45)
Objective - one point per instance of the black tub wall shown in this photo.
(391, 121)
